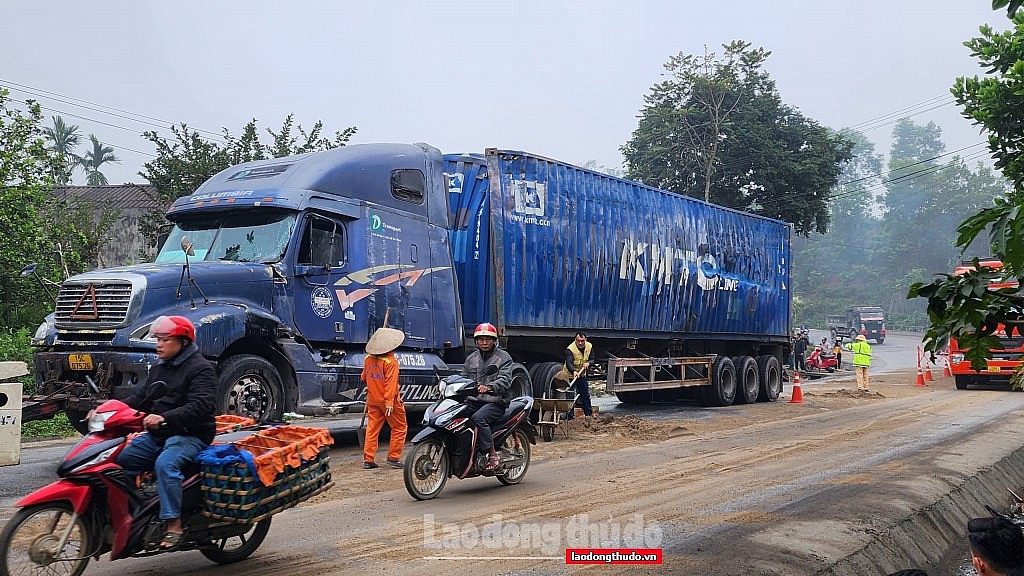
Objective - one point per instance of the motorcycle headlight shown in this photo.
(95, 459)
(98, 420)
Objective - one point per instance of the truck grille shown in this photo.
(93, 304)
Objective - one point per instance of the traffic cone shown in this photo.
(928, 371)
(798, 395)
(946, 373)
(920, 376)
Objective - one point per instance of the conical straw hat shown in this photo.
(385, 340)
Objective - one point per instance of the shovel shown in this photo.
(567, 386)
(361, 430)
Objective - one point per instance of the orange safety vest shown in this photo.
(381, 376)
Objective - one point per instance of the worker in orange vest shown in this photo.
(383, 402)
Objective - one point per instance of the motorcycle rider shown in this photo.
(493, 392)
(180, 423)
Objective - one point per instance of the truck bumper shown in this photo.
(112, 372)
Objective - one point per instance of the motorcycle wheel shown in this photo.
(518, 444)
(237, 548)
(426, 469)
(27, 541)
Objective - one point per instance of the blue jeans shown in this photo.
(144, 454)
(583, 389)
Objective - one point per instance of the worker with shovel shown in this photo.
(577, 361)
(383, 403)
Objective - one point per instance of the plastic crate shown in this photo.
(232, 491)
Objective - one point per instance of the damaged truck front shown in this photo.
(285, 267)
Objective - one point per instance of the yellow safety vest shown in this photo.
(861, 352)
(578, 357)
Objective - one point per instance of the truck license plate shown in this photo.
(80, 361)
(993, 368)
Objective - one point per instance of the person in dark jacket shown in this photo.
(493, 392)
(180, 419)
(800, 351)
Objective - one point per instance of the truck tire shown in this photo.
(722, 390)
(748, 384)
(542, 374)
(962, 382)
(521, 384)
(769, 372)
(249, 386)
(834, 334)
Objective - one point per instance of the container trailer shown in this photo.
(286, 266)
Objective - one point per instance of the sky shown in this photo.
(563, 79)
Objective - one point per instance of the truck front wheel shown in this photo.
(249, 386)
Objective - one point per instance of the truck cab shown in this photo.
(867, 321)
(286, 267)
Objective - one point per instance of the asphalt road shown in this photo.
(39, 459)
(789, 486)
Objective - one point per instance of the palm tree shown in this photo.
(93, 159)
(65, 140)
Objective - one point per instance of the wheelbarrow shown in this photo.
(552, 413)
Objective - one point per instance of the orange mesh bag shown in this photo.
(232, 422)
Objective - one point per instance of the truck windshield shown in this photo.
(257, 237)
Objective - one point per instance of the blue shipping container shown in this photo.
(542, 245)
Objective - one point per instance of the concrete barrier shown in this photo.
(913, 541)
(10, 412)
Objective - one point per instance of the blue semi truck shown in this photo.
(286, 266)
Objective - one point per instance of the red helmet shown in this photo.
(173, 326)
(485, 329)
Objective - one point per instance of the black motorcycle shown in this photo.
(447, 445)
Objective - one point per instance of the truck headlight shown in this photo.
(956, 358)
(44, 329)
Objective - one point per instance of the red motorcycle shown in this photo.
(97, 508)
(820, 361)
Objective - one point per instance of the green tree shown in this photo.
(94, 159)
(64, 139)
(188, 159)
(963, 306)
(841, 268)
(27, 166)
(717, 129)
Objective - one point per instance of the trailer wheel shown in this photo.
(521, 384)
(722, 390)
(748, 385)
(249, 386)
(770, 372)
(542, 375)
(636, 397)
